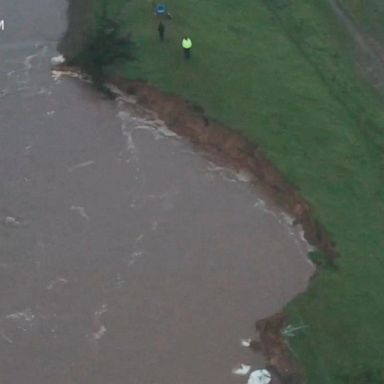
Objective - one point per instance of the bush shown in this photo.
(104, 45)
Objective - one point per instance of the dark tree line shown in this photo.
(104, 45)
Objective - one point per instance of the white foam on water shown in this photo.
(81, 165)
(135, 117)
(58, 281)
(44, 91)
(28, 61)
(163, 131)
(154, 225)
(287, 218)
(229, 174)
(5, 337)
(103, 308)
(60, 59)
(132, 123)
(12, 221)
(101, 329)
(20, 75)
(129, 143)
(120, 95)
(81, 211)
(119, 281)
(27, 150)
(127, 133)
(310, 248)
(26, 315)
(100, 333)
(246, 342)
(134, 256)
(4, 92)
(298, 234)
(260, 203)
(241, 370)
(139, 238)
(159, 131)
(123, 116)
(244, 176)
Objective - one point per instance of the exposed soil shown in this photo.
(234, 150)
(231, 148)
(189, 121)
(284, 368)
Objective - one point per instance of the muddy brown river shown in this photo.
(125, 256)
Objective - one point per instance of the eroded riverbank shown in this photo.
(126, 254)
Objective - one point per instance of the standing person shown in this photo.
(187, 45)
(161, 29)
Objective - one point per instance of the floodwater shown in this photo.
(125, 257)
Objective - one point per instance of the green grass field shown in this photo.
(282, 73)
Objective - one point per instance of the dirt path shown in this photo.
(370, 53)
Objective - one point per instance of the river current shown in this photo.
(125, 255)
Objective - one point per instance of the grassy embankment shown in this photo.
(282, 73)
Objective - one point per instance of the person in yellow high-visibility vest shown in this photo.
(187, 45)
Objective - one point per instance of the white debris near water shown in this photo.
(246, 342)
(57, 74)
(260, 376)
(56, 60)
(241, 370)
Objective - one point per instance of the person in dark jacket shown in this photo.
(161, 29)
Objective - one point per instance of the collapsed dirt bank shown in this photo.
(234, 150)
(189, 121)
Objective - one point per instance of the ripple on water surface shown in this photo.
(138, 257)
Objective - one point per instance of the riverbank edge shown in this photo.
(235, 151)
